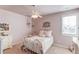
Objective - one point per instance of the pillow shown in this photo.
(42, 33)
(48, 33)
(45, 33)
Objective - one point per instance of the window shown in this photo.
(69, 25)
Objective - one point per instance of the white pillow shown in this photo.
(42, 33)
(45, 33)
(48, 33)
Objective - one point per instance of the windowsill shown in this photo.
(71, 35)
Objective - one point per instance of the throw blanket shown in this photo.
(33, 44)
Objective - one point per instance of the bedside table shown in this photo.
(76, 45)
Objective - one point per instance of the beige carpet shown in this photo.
(53, 50)
(58, 50)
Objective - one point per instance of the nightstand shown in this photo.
(76, 45)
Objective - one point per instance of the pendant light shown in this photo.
(35, 13)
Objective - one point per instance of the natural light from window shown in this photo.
(69, 25)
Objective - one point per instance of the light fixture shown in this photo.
(35, 13)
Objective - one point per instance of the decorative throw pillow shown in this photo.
(48, 33)
(45, 33)
(42, 33)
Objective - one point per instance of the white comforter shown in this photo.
(45, 42)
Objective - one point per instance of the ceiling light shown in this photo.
(35, 13)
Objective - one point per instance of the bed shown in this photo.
(39, 43)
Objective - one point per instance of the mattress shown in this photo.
(38, 44)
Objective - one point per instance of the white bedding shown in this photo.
(45, 42)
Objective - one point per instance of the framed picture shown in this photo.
(46, 24)
(4, 27)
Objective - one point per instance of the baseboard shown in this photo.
(17, 42)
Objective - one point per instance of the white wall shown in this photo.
(19, 28)
(55, 20)
(17, 23)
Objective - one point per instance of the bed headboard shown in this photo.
(46, 25)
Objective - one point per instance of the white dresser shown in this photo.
(6, 42)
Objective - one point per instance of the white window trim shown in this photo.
(76, 25)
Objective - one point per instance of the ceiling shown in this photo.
(42, 9)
